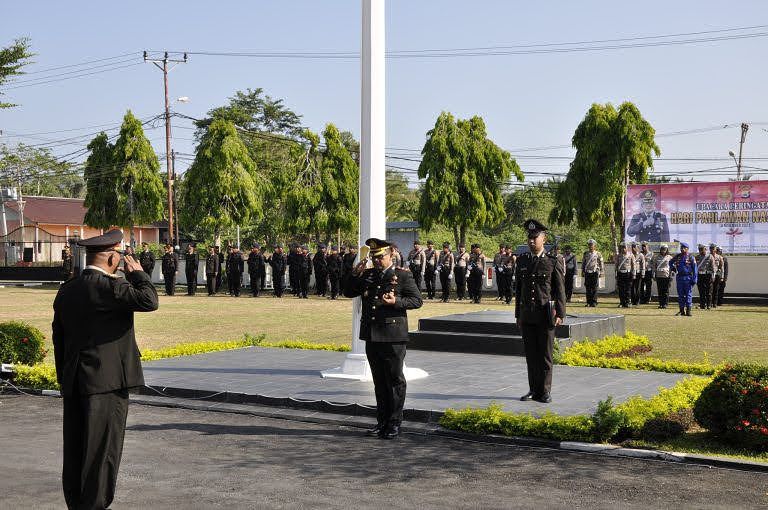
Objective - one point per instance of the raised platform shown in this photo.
(495, 332)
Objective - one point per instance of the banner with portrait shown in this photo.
(733, 215)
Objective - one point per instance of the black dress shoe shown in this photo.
(528, 396)
(391, 432)
(378, 430)
(544, 399)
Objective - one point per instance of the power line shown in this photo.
(72, 77)
(87, 62)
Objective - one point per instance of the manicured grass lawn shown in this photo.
(733, 332)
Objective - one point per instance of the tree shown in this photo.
(341, 180)
(219, 190)
(614, 148)
(12, 59)
(464, 171)
(39, 172)
(402, 201)
(140, 190)
(102, 183)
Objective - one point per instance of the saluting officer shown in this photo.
(417, 263)
(386, 292)
(278, 262)
(97, 362)
(591, 270)
(683, 265)
(706, 268)
(625, 274)
(212, 270)
(257, 270)
(445, 266)
(191, 262)
(170, 266)
(662, 270)
(539, 309)
(430, 267)
(147, 259)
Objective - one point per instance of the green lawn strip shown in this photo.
(699, 442)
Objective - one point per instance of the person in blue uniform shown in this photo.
(684, 267)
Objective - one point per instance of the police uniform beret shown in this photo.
(257, 246)
(278, 245)
(378, 246)
(335, 248)
(103, 242)
(634, 244)
(534, 227)
(684, 245)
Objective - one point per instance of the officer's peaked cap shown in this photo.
(534, 227)
(378, 246)
(648, 195)
(103, 242)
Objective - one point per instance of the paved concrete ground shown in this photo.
(456, 380)
(176, 458)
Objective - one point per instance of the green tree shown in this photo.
(39, 172)
(12, 59)
(252, 110)
(341, 178)
(140, 190)
(219, 190)
(464, 172)
(614, 148)
(402, 200)
(102, 183)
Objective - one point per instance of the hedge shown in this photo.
(21, 343)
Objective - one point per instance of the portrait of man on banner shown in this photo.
(650, 224)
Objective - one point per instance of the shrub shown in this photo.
(734, 406)
(667, 427)
(21, 343)
(40, 377)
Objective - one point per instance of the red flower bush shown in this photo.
(21, 343)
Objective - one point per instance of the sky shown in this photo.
(528, 101)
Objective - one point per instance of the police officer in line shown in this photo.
(460, 270)
(430, 267)
(222, 267)
(717, 275)
(235, 267)
(723, 272)
(278, 262)
(509, 263)
(662, 269)
(705, 263)
(684, 268)
(646, 283)
(257, 270)
(591, 269)
(67, 263)
(498, 269)
(387, 293)
(305, 271)
(294, 269)
(170, 267)
(97, 362)
(348, 261)
(625, 274)
(445, 263)
(147, 259)
(212, 270)
(476, 268)
(191, 263)
(639, 273)
(417, 263)
(570, 271)
(321, 270)
(334, 262)
(539, 309)
(397, 257)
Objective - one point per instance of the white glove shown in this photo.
(437, 271)
(450, 276)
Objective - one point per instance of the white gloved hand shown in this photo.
(437, 271)
(450, 276)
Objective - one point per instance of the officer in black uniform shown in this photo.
(294, 269)
(191, 263)
(220, 274)
(67, 265)
(257, 270)
(147, 259)
(212, 270)
(334, 262)
(539, 308)
(97, 362)
(387, 292)
(170, 266)
(321, 270)
(235, 267)
(278, 262)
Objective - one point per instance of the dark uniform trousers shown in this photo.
(234, 279)
(386, 360)
(257, 282)
(590, 284)
(211, 283)
(416, 272)
(634, 286)
(705, 289)
(460, 273)
(475, 284)
(716, 282)
(569, 276)
(429, 281)
(662, 285)
(645, 287)
(624, 286)
(191, 281)
(334, 277)
(509, 284)
(170, 283)
(445, 282)
(538, 341)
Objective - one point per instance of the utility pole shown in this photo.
(744, 129)
(175, 202)
(168, 163)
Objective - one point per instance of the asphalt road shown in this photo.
(177, 458)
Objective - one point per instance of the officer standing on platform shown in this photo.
(570, 272)
(212, 270)
(147, 259)
(460, 270)
(706, 269)
(386, 292)
(170, 266)
(445, 267)
(321, 270)
(430, 266)
(97, 362)
(539, 309)
(278, 262)
(257, 270)
(684, 267)
(334, 262)
(625, 273)
(191, 262)
(661, 268)
(591, 270)
(417, 263)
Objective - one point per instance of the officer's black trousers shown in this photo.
(509, 285)
(416, 272)
(445, 283)
(720, 292)
(219, 278)
(624, 288)
(499, 282)
(646, 287)
(321, 283)
(303, 284)
(191, 282)
(386, 360)
(662, 285)
(234, 283)
(334, 278)
(293, 280)
(460, 274)
(590, 285)
(94, 427)
(538, 340)
(429, 281)
(170, 283)
(278, 284)
(569, 276)
(716, 281)
(210, 283)
(254, 284)
(704, 284)
(635, 288)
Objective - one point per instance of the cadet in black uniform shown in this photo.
(334, 262)
(278, 262)
(235, 267)
(257, 270)
(430, 266)
(220, 274)
(348, 261)
(321, 271)
(539, 308)
(191, 262)
(387, 292)
(305, 271)
(170, 266)
(294, 269)
(97, 361)
(570, 272)
(147, 259)
(212, 270)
